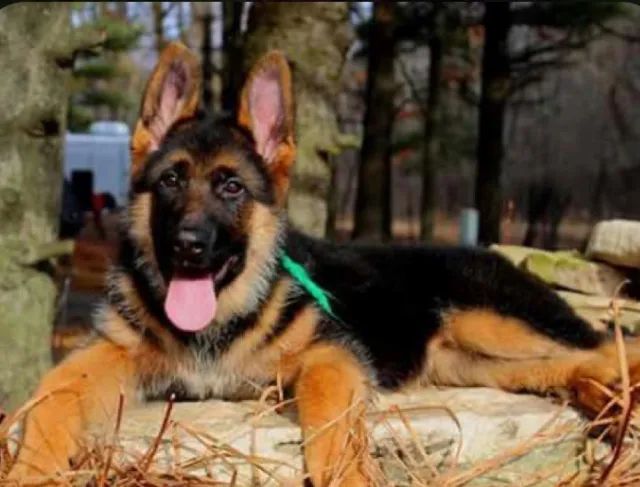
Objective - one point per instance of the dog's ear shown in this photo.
(172, 94)
(266, 110)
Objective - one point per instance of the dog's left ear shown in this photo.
(266, 110)
(172, 94)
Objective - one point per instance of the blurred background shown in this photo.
(473, 122)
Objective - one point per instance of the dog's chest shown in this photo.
(198, 379)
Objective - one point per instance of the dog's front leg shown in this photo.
(82, 392)
(331, 393)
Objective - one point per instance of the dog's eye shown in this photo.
(231, 187)
(169, 179)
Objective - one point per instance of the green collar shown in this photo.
(302, 277)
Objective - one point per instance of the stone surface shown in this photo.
(597, 309)
(616, 242)
(566, 269)
(482, 423)
(587, 286)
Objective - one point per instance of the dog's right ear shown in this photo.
(172, 94)
(266, 110)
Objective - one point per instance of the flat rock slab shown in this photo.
(597, 310)
(526, 435)
(565, 269)
(616, 242)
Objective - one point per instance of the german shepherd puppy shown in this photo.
(214, 295)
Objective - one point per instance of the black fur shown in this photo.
(388, 301)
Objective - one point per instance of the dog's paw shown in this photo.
(597, 387)
(27, 475)
(36, 468)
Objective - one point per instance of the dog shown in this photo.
(215, 295)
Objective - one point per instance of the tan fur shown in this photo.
(142, 141)
(241, 350)
(486, 332)
(140, 222)
(227, 159)
(482, 348)
(197, 195)
(263, 230)
(240, 372)
(271, 60)
(114, 327)
(289, 347)
(452, 366)
(141, 144)
(604, 369)
(331, 393)
(476, 347)
(93, 377)
(169, 344)
(180, 155)
(284, 157)
(139, 215)
(244, 292)
(282, 357)
(81, 391)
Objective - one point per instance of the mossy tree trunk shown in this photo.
(315, 37)
(36, 46)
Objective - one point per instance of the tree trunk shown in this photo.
(373, 199)
(202, 20)
(495, 91)
(207, 60)
(181, 19)
(315, 37)
(430, 151)
(232, 53)
(158, 25)
(101, 10)
(34, 98)
(121, 9)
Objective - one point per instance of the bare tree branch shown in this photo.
(621, 35)
(403, 104)
(566, 44)
(415, 91)
(467, 94)
(521, 82)
(537, 66)
(529, 102)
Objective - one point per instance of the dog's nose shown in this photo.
(190, 246)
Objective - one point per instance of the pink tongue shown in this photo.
(191, 303)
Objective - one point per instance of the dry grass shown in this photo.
(612, 458)
(408, 461)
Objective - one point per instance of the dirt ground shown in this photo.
(572, 234)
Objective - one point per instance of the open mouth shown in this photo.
(192, 300)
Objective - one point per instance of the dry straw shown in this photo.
(410, 460)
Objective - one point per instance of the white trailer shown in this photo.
(106, 154)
